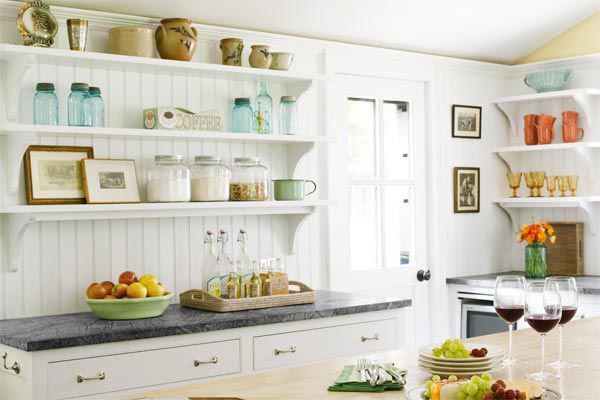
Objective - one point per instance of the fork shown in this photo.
(361, 367)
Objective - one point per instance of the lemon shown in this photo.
(155, 289)
(147, 279)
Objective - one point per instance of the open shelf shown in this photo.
(20, 136)
(18, 218)
(586, 102)
(590, 206)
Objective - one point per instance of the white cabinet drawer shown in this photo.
(144, 368)
(292, 348)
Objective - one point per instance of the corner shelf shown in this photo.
(20, 136)
(586, 100)
(590, 205)
(17, 219)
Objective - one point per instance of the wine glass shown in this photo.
(530, 183)
(562, 185)
(514, 181)
(542, 312)
(509, 302)
(538, 180)
(573, 180)
(550, 184)
(567, 288)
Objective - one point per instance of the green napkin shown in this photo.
(349, 381)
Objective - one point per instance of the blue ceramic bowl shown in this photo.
(548, 81)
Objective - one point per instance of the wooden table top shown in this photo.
(581, 341)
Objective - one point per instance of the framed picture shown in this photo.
(466, 122)
(466, 190)
(110, 181)
(53, 174)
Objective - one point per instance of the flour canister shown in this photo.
(131, 41)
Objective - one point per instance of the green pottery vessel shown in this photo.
(120, 309)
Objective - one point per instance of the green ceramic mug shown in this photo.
(291, 189)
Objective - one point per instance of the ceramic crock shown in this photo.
(131, 41)
(231, 51)
(261, 57)
(282, 61)
(176, 39)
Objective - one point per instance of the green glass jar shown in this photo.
(536, 265)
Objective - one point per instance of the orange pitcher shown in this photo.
(571, 133)
(545, 129)
(570, 118)
(530, 130)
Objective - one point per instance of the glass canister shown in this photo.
(249, 180)
(288, 116)
(97, 106)
(168, 179)
(45, 104)
(263, 113)
(242, 115)
(80, 105)
(210, 179)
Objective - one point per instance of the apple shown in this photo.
(120, 290)
(147, 279)
(128, 277)
(108, 286)
(96, 291)
(136, 290)
(155, 289)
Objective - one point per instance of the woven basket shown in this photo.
(202, 300)
(565, 257)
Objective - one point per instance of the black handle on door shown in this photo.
(423, 275)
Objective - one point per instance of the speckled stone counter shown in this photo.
(586, 284)
(69, 330)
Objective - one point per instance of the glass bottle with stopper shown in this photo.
(211, 276)
(255, 284)
(263, 114)
(233, 282)
(243, 261)
(223, 261)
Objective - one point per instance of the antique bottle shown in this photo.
(255, 285)
(279, 279)
(265, 278)
(263, 112)
(223, 261)
(233, 282)
(243, 261)
(211, 276)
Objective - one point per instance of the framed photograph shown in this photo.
(110, 181)
(466, 190)
(466, 122)
(53, 174)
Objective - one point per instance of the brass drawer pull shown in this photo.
(365, 338)
(16, 367)
(101, 376)
(213, 360)
(292, 349)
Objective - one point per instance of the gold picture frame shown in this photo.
(53, 174)
(110, 181)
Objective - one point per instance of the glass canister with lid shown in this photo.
(45, 105)
(79, 105)
(288, 116)
(168, 179)
(242, 116)
(249, 180)
(210, 179)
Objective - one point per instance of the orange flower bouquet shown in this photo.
(536, 234)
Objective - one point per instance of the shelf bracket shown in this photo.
(510, 110)
(512, 215)
(14, 71)
(508, 159)
(16, 146)
(297, 88)
(14, 228)
(295, 153)
(587, 106)
(295, 222)
(590, 215)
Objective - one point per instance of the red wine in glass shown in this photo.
(568, 312)
(510, 314)
(542, 323)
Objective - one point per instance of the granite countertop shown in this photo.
(586, 284)
(80, 329)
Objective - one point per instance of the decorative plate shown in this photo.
(494, 352)
(417, 394)
(36, 24)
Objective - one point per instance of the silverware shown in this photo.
(360, 370)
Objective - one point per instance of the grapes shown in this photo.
(472, 389)
(428, 384)
(451, 348)
(471, 398)
(448, 354)
(488, 396)
(475, 379)
(465, 353)
(486, 377)
(452, 378)
(436, 378)
(461, 396)
(509, 394)
(483, 385)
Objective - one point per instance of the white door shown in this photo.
(378, 225)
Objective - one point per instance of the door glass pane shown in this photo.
(396, 140)
(398, 225)
(363, 214)
(362, 139)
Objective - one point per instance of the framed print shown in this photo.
(110, 181)
(466, 190)
(53, 174)
(466, 122)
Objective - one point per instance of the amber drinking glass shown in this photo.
(562, 185)
(573, 180)
(550, 184)
(530, 183)
(538, 180)
(514, 182)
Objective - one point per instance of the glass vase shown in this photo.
(535, 261)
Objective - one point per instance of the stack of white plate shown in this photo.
(461, 367)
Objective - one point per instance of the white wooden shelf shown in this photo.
(18, 218)
(18, 59)
(587, 101)
(20, 136)
(587, 151)
(590, 205)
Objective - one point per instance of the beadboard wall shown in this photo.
(60, 259)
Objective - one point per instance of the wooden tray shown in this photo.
(202, 300)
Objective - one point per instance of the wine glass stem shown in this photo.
(510, 332)
(543, 353)
(560, 344)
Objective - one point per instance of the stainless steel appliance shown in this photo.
(478, 316)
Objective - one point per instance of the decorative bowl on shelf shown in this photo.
(126, 308)
(548, 81)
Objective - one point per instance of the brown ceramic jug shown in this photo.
(530, 130)
(176, 39)
(571, 133)
(545, 129)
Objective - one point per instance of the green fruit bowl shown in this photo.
(121, 309)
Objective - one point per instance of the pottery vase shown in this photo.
(261, 57)
(231, 51)
(176, 39)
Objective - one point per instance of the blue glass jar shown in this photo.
(97, 106)
(288, 116)
(263, 113)
(242, 115)
(80, 105)
(45, 105)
